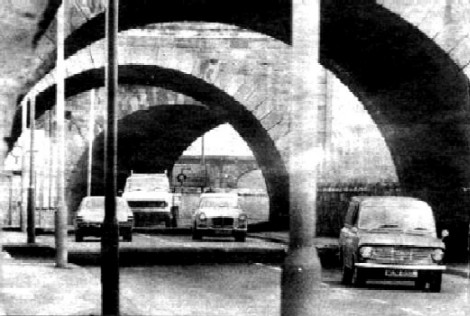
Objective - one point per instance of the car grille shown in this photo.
(402, 255)
(222, 221)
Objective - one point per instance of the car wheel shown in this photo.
(167, 222)
(420, 283)
(196, 235)
(128, 237)
(358, 278)
(435, 282)
(78, 236)
(241, 237)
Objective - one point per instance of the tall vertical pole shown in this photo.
(203, 162)
(24, 183)
(91, 135)
(301, 273)
(110, 233)
(51, 160)
(61, 212)
(31, 230)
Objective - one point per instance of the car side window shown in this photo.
(350, 215)
(355, 214)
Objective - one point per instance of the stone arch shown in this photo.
(417, 95)
(223, 107)
(270, 17)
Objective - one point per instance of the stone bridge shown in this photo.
(406, 61)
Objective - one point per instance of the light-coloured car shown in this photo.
(90, 215)
(219, 214)
(391, 238)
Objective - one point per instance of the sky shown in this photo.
(220, 141)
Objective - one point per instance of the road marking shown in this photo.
(23, 293)
(279, 269)
(379, 301)
(411, 311)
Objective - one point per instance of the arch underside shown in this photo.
(166, 131)
(417, 96)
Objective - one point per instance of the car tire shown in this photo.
(358, 278)
(435, 282)
(128, 237)
(240, 237)
(168, 222)
(420, 282)
(196, 235)
(78, 236)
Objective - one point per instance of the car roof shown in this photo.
(220, 195)
(98, 197)
(385, 199)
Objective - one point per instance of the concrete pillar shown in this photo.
(301, 275)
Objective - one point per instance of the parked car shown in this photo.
(391, 238)
(90, 215)
(219, 214)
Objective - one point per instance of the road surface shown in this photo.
(31, 287)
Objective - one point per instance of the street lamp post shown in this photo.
(110, 232)
(61, 213)
(31, 230)
(24, 196)
(91, 135)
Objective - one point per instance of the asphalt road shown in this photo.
(37, 288)
(255, 290)
(31, 287)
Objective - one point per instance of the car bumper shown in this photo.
(94, 229)
(221, 231)
(368, 265)
(397, 271)
(148, 218)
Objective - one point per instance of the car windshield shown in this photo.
(413, 217)
(147, 183)
(96, 204)
(218, 202)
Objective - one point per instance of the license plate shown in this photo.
(396, 273)
(221, 232)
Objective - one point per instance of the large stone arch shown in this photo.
(417, 95)
(224, 108)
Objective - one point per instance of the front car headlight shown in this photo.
(366, 252)
(437, 255)
(242, 218)
(202, 217)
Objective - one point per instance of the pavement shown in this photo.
(31, 284)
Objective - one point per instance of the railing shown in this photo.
(333, 199)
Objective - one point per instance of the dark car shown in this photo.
(90, 215)
(391, 238)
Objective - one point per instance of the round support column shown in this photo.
(301, 274)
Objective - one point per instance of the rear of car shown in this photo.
(90, 215)
(391, 238)
(219, 214)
